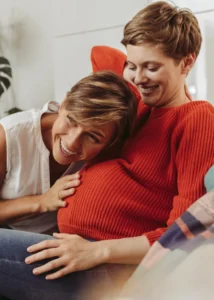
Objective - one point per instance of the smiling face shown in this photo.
(73, 142)
(159, 78)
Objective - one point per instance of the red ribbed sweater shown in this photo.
(159, 174)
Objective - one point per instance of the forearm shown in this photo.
(124, 251)
(15, 210)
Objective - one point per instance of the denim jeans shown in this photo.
(17, 281)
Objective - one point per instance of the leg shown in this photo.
(14, 276)
(17, 281)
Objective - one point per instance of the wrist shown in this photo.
(105, 251)
(124, 250)
(39, 206)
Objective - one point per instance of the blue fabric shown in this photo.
(209, 179)
(173, 237)
(194, 225)
(17, 281)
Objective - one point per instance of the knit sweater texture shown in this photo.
(159, 174)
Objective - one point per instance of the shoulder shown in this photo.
(20, 119)
(196, 119)
(198, 107)
(2, 136)
(199, 112)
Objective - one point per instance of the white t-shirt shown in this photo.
(28, 171)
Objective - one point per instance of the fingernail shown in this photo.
(35, 272)
(27, 260)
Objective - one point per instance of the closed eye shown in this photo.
(93, 138)
(153, 69)
(132, 68)
(71, 120)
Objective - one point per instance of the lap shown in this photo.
(18, 282)
(14, 243)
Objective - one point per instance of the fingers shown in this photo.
(71, 183)
(62, 272)
(43, 245)
(61, 203)
(65, 193)
(44, 254)
(72, 176)
(61, 235)
(68, 187)
(57, 263)
(51, 265)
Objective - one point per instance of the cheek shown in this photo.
(54, 130)
(157, 76)
(128, 75)
(59, 127)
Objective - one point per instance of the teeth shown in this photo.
(68, 152)
(149, 88)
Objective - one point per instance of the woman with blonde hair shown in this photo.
(38, 147)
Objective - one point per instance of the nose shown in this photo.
(140, 77)
(74, 140)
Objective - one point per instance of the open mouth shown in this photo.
(66, 151)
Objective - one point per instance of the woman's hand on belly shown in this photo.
(53, 199)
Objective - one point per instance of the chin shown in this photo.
(148, 102)
(60, 160)
(63, 163)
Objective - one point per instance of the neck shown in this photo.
(180, 97)
(47, 122)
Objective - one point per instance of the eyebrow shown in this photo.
(145, 63)
(102, 135)
(98, 133)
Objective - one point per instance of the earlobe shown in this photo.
(188, 63)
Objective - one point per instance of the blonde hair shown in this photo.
(103, 97)
(174, 29)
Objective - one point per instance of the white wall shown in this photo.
(28, 42)
(195, 5)
(48, 43)
(79, 25)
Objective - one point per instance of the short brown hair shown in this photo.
(175, 29)
(103, 97)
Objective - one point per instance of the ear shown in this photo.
(188, 63)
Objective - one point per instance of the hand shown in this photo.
(63, 187)
(72, 251)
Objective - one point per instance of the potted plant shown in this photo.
(6, 80)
